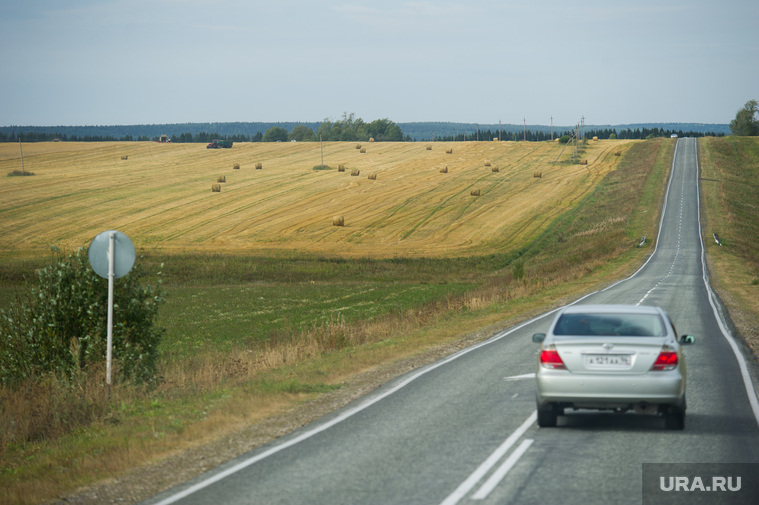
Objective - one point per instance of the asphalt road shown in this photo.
(463, 429)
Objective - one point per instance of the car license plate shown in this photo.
(607, 360)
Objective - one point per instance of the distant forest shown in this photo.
(424, 131)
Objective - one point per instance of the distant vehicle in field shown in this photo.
(216, 144)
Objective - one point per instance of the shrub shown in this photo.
(59, 326)
(517, 269)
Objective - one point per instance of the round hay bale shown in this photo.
(222, 178)
(595, 138)
(495, 169)
(372, 177)
(216, 188)
(444, 170)
(537, 175)
(259, 166)
(475, 192)
(487, 163)
(583, 162)
(355, 172)
(341, 168)
(125, 157)
(338, 221)
(358, 146)
(237, 166)
(371, 139)
(363, 150)
(428, 147)
(449, 150)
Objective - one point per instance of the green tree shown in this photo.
(301, 133)
(746, 123)
(324, 130)
(275, 134)
(350, 128)
(59, 325)
(384, 130)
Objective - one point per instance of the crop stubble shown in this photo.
(159, 196)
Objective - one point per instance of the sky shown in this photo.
(119, 62)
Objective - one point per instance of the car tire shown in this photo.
(674, 418)
(547, 415)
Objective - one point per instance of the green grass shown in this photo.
(611, 219)
(730, 206)
(219, 318)
(730, 182)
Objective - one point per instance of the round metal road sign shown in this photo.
(123, 260)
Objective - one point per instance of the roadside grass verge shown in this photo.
(322, 322)
(730, 206)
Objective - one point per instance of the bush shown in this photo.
(517, 269)
(59, 326)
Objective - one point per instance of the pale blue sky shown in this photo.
(87, 62)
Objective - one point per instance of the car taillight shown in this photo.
(549, 358)
(667, 360)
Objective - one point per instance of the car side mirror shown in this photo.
(538, 337)
(687, 339)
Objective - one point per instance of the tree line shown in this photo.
(605, 133)
(351, 128)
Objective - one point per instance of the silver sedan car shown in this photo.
(611, 357)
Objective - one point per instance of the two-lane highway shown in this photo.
(463, 429)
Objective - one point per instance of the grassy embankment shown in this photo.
(251, 335)
(730, 192)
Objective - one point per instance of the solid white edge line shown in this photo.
(742, 366)
(530, 375)
(502, 470)
(471, 481)
(661, 223)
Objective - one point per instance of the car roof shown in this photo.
(611, 309)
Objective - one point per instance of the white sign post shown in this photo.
(105, 261)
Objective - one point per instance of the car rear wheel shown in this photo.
(547, 415)
(674, 418)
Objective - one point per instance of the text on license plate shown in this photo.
(607, 360)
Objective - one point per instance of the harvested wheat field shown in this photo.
(159, 195)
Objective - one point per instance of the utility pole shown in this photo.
(582, 131)
(551, 128)
(524, 135)
(23, 172)
(499, 130)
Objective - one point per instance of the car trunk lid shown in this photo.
(612, 355)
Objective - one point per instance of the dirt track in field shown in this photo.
(161, 197)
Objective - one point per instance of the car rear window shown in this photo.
(631, 325)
